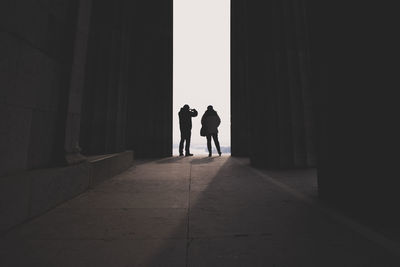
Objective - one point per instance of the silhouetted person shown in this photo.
(185, 124)
(210, 121)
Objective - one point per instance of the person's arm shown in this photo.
(194, 113)
(219, 120)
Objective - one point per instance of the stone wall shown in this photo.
(150, 80)
(320, 79)
(36, 42)
(127, 101)
(31, 193)
(272, 104)
(79, 76)
(353, 67)
(103, 124)
(82, 74)
(240, 102)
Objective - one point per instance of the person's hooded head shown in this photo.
(185, 108)
(210, 111)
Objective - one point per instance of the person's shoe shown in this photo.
(180, 154)
(219, 153)
(209, 154)
(188, 154)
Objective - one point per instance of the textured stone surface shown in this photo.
(14, 200)
(108, 166)
(82, 253)
(42, 138)
(15, 132)
(358, 141)
(150, 105)
(193, 211)
(54, 186)
(35, 42)
(272, 103)
(30, 193)
(9, 49)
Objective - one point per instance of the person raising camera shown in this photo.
(185, 125)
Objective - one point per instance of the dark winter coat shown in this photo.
(185, 119)
(211, 121)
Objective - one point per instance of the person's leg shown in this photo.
(216, 142)
(209, 144)
(187, 147)
(181, 144)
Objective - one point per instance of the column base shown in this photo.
(74, 158)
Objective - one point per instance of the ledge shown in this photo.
(28, 194)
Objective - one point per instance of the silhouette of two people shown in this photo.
(210, 122)
(185, 123)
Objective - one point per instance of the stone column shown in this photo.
(239, 100)
(104, 111)
(149, 127)
(279, 106)
(115, 118)
(77, 82)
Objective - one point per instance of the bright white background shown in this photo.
(202, 65)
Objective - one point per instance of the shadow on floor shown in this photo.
(171, 160)
(202, 160)
(196, 160)
(236, 218)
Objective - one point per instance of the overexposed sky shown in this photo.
(202, 63)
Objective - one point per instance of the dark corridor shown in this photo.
(86, 91)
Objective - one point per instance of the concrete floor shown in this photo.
(196, 211)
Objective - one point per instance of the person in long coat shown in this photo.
(210, 121)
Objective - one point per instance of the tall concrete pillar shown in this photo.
(278, 99)
(105, 97)
(77, 84)
(240, 136)
(353, 81)
(150, 96)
